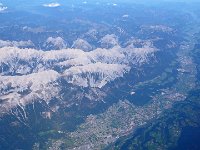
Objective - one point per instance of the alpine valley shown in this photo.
(92, 75)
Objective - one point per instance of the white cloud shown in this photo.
(125, 16)
(2, 8)
(52, 5)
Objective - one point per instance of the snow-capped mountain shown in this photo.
(82, 44)
(30, 74)
(55, 43)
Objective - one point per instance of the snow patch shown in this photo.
(16, 43)
(109, 41)
(95, 75)
(27, 88)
